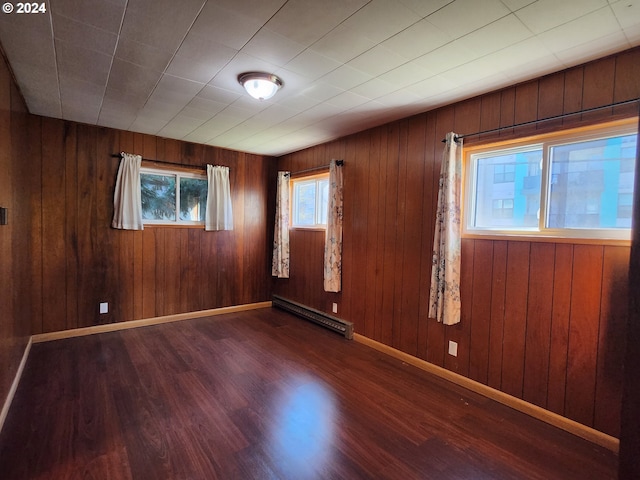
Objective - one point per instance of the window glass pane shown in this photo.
(304, 203)
(591, 183)
(158, 196)
(507, 189)
(193, 199)
(323, 200)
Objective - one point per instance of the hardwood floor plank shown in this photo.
(265, 395)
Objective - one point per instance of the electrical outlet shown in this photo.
(453, 348)
(335, 308)
(104, 307)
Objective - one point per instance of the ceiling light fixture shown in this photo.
(260, 86)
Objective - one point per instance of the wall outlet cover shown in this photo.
(335, 308)
(453, 348)
(104, 307)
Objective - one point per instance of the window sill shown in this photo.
(547, 239)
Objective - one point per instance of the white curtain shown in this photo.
(127, 199)
(219, 215)
(444, 297)
(333, 239)
(280, 262)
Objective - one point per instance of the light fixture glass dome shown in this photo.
(260, 86)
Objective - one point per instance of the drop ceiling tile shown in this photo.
(81, 113)
(272, 47)
(348, 100)
(515, 5)
(202, 108)
(179, 127)
(176, 90)
(423, 8)
(342, 44)
(589, 50)
(592, 26)
(544, 15)
(226, 26)
(399, 98)
(103, 14)
(628, 13)
(200, 58)
(374, 88)
(405, 75)
(33, 48)
(307, 22)
(75, 90)
(419, 39)
(377, 61)
(217, 94)
(381, 19)
(497, 35)
(321, 91)
(131, 79)
(346, 77)
(446, 57)
(311, 64)
(145, 56)
(456, 20)
(40, 88)
(148, 124)
(161, 23)
(84, 35)
(259, 10)
(516, 60)
(73, 60)
(435, 85)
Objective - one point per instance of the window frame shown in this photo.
(178, 173)
(545, 142)
(300, 179)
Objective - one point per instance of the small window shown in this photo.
(573, 184)
(310, 200)
(173, 197)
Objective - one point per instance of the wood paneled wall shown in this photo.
(158, 271)
(17, 235)
(544, 322)
(78, 260)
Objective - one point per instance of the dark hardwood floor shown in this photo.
(264, 395)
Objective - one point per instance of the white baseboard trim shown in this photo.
(112, 327)
(14, 384)
(566, 424)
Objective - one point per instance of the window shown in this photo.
(575, 184)
(172, 197)
(310, 201)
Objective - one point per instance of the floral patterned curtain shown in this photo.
(280, 262)
(444, 297)
(127, 198)
(333, 239)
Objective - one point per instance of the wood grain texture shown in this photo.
(528, 326)
(264, 394)
(19, 270)
(158, 271)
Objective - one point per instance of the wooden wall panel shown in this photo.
(141, 274)
(18, 180)
(539, 321)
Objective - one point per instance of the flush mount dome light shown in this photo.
(260, 86)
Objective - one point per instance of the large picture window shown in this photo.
(574, 184)
(310, 201)
(173, 197)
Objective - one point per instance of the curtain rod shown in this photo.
(533, 122)
(198, 167)
(339, 163)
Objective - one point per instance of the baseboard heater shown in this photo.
(328, 321)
